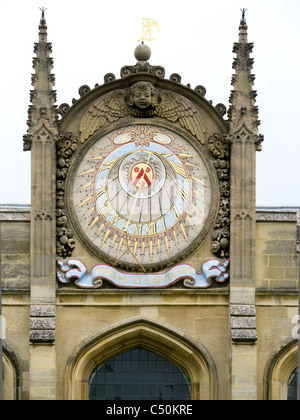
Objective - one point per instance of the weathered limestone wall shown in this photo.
(276, 251)
(201, 315)
(15, 281)
(195, 314)
(277, 277)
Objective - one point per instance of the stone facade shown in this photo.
(81, 315)
(190, 270)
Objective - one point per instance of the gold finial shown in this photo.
(147, 26)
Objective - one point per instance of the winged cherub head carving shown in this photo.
(143, 96)
(142, 100)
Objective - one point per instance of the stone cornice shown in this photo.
(276, 215)
(21, 213)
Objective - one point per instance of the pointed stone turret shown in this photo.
(243, 111)
(245, 141)
(41, 139)
(43, 110)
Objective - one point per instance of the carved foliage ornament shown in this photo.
(142, 100)
(219, 146)
(65, 149)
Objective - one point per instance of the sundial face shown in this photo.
(141, 197)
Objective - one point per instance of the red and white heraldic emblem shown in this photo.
(142, 175)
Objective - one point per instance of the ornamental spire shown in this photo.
(243, 110)
(43, 110)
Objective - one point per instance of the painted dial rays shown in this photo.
(143, 189)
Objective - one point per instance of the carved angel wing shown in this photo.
(175, 108)
(107, 109)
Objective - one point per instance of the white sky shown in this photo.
(93, 37)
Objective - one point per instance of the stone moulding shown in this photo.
(276, 216)
(143, 67)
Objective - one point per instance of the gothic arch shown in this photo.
(155, 336)
(11, 374)
(281, 366)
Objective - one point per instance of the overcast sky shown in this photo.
(92, 38)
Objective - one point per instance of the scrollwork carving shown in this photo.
(109, 77)
(200, 90)
(143, 67)
(158, 71)
(175, 78)
(63, 108)
(218, 146)
(221, 109)
(83, 90)
(128, 71)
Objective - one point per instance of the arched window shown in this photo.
(11, 374)
(292, 386)
(281, 373)
(139, 374)
(168, 347)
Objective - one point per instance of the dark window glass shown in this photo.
(139, 374)
(292, 386)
